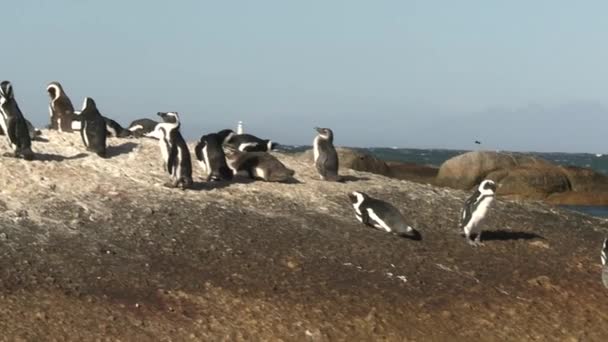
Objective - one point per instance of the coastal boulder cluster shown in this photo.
(223, 155)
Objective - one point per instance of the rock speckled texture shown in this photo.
(95, 248)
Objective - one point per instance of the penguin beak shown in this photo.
(318, 129)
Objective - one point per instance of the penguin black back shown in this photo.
(210, 155)
(93, 128)
(60, 108)
(14, 124)
(381, 215)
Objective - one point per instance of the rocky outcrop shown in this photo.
(468, 169)
(359, 161)
(525, 177)
(94, 249)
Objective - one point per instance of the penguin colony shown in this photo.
(224, 155)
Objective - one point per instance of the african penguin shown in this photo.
(211, 157)
(61, 109)
(174, 150)
(475, 209)
(605, 263)
(14, 124)
(92, 128)
(34, 132)
(141, 127)
(258, 165)
(250, 143)
(114, 129)
(325, 155)
(381, 215)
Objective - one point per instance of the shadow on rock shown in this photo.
(505, 235)
(347, 179)
(57, 157)
(113, 151)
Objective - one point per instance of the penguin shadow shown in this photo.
(211, 185)
(40, 139)
(506, 235)
(57, 157)
(124, 148)
(349, 179)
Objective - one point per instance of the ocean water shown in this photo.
(435, 157)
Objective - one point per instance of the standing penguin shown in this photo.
(211, 157)
(326, 157)
(381, 215)
(174, 150)
(475, 209)
(605, 263)
(92, 128)
(14, 124)
(60, 108)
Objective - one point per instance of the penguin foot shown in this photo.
(474, 243)
(170, 185)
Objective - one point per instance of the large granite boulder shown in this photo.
(468, 169)
(530, 181)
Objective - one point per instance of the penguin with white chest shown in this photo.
(92, 128)
(475, 209)
(381, 215)
(174, 150)
(325, 155)
(212, 158)
(605, 262)
(61, 109)
(14, 124)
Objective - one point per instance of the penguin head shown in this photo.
(413, 234)
(487, 187)
(357, 197)
(270, 146)
(88, 104)
(225, 135)
(325, 133)
(169, 117)
(54, 89)
(6, 91)
(605, 252)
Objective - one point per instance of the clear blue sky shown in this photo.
(519, 75)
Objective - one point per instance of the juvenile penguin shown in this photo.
(211, 157)
(92, 128)
(174, 150)
(14, 124)
(381, 215)
(60, 108)
(605, 262)
(475, 209)
(250, 143)
(141, 127)
(258, 165)
(325, 155)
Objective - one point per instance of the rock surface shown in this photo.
(97, 249)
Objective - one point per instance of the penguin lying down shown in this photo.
(258, 165)
(381, 215)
